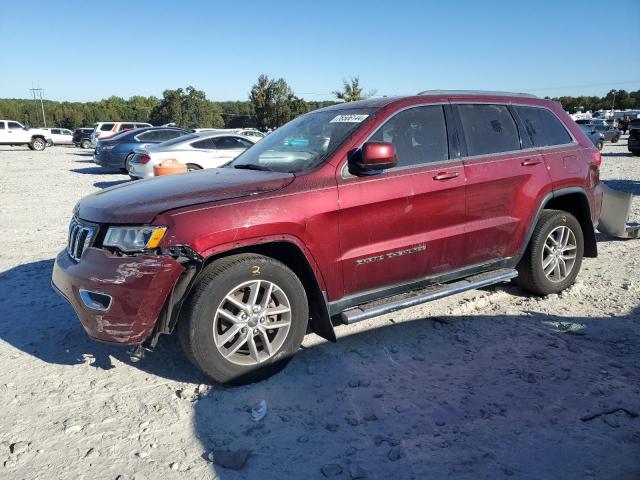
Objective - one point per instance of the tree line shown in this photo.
(616, 99)
(271, 104)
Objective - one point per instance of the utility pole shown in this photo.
(37, 94)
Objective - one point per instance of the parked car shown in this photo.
(60, 136)
(608, 131)
(594, 135)
(251, 133)
(197, 151)
(82, 137)
(116, 151)
(104, 130)
(343, 214)
(14, 133)
(634, 137)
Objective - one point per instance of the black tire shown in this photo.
(29, 145)
(38, 144)
(635, 153)
(531, 276)
(599, 145)
(85, 144)
(615, 139)
(192, 167)
(196, 326)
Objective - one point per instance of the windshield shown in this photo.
(303, 143)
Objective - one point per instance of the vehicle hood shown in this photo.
(141, 201)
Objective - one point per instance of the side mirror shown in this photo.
(372, 158)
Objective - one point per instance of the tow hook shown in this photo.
(136, 353)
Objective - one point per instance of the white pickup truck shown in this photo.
(14, 133)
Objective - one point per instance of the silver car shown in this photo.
(197, 151)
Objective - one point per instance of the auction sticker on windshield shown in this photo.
(348, 118)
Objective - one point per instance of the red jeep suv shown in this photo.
(343, 214)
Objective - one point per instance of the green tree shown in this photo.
(352, 91)
(274, 102)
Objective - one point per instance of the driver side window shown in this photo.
(419, 135)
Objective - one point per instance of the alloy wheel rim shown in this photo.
(252, 322)
(559, 254)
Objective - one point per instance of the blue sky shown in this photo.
(90, 50)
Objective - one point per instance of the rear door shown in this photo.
(561, 152)
(406, 223)
(505, 180)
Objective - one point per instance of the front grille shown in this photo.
(80, 237)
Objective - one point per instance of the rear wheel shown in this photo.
(600, 144)
(553, 257)
(192, 167)
(85, 144)
(38, 144)
(245, 319)
(615, 139)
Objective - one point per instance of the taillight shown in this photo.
(597, 157)
(144, 158)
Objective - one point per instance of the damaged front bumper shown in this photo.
(117, 299)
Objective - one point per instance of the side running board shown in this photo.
(428, 294)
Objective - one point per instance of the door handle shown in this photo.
(528, 162)
(445, 176)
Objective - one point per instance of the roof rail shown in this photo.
(477, 92)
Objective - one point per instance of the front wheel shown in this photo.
(38, 144)
(553, 257)
(615, 139)
(599, 145)
(192, 167)
(245, 319)
(85, 144)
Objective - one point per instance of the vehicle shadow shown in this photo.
(97, 171)
(37, 321)
(458, 396)
(624, 185)
(464, 397)
(617, 154)
(110, 184)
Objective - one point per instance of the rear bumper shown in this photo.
(140, 171)
(137, 286)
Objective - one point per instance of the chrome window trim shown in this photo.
(344, 172)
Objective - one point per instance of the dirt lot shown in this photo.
(490, 384)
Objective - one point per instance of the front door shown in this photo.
(406, 223)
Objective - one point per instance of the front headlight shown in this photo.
(134, 239)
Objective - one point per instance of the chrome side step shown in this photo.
(428, 294)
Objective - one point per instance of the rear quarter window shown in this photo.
(488, 129)
(543, 127)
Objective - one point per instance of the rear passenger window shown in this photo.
(544, 128)
(419, 135)
(205, 143)
(488, 129)
(106, 127)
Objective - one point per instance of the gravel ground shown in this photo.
(489, 384)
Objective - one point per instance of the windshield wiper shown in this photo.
(251, 166)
